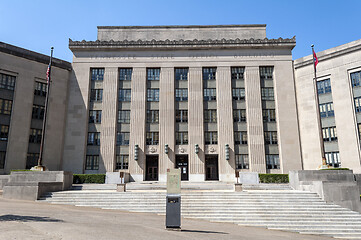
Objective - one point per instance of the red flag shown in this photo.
(315, 58)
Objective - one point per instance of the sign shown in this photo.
(173, 181)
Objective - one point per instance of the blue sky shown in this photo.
(37, 24)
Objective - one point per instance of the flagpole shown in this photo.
(324, 164)
(40, 166)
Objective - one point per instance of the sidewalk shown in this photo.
(33, 220)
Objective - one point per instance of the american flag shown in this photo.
(48, 74)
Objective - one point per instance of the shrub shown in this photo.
(273, 178)
(21, 170)
(88, 178)
(335, 169)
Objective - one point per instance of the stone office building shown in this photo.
(207, 99)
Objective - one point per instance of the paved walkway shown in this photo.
(33, 220)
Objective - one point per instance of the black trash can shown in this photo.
(173, 211)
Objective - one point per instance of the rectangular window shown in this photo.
(266, 73)
(359, 130)
(238, 94)
(95, 116)
(237, 73)
(242, 161)
(181, 116)
(153, 95)
(333, 159)
(269, 115)
(94, 138)
(181, 74)
(5, 106)
(270, 137)
(96, 95)
(211, 137)
(153, 74)
(356, 79)
(209, 94)
(32, 160)
(210, 116)
(123, 138)
(2, 159)
(240, 137)
(38, 112)
(272, 161)
(324, 86)
(326, 110)
(152, 116)
(181, 138)
(97, 74)
(239, 115)
(209, 73)
(7, 82)
(358, 104)
(122, 162)
(35, 135)
(124, 116)
(125, 95)
(267, 94)
(125, 74)
(4, 132)
(92, 162)
(40, 89)
(329, 134)
(152, 138)
(181, 94)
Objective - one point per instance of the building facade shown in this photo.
(210, 100)
(339, 94)
(22, 99)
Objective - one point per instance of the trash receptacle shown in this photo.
(173, 211)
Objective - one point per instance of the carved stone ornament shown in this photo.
(181, 150)
(212, 149)
(152, 150)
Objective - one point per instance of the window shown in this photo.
(242, 161)
(181, 74)
(123, 138)
(32, 160)
(152, 116)
(181, 94)
(240, 137)
(270, 137)
(92, 162)
(97, 74)
(211, 137)
(181, 138)
(239, 115)
(326, 110)
(122, 162)
(2, 159)
(125, 74)
(125, 95)
(96, 95)
(359, 130)
(153, 74)
(35, 135)
(5, 106)
(124, 116)
(153, 95)
(333, 159)
(272, 161)
(329, 134)
(4, 132)
(152, 138)
(237, 73)
(7, 82)
(209, 94)
(358, 104)
(324, 86)
(267, 94)
(38, 112)
(269, 115)
(95, 116)
(40, 89)
(209, 73)
(210, 116)
(356, 79)
(238, 94)
(181, 116)
(266, 73)
(94, 138)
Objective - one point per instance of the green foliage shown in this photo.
(88, 178)
(335, 169)
(21, 170)
(273, 178)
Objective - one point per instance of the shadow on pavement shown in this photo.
(18, 218)
(200, 231)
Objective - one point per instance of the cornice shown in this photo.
(185, 26)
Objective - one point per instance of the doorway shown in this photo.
(182, 163)
(211, 167)
(151, 167)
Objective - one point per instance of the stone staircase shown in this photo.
(272, 207)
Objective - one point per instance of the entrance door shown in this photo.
(211, 167)
(182, 163)
(151, 168)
